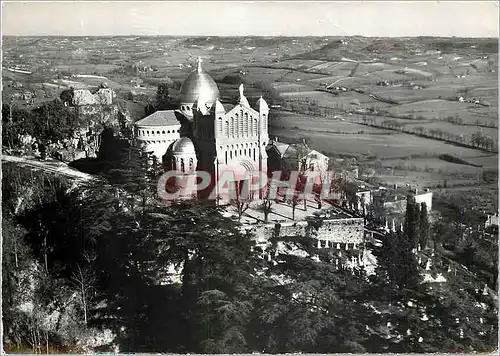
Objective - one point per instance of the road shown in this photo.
(50, 165)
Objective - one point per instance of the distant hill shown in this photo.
(364, 48)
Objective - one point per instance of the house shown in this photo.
(491, 221)
(295, 157)
(395, 201)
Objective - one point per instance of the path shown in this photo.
(50, 165)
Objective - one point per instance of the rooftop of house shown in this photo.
(398, 194)
(160, 118)
(293, 150)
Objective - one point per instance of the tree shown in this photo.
(416, 222)
(241, 199)
(218, 290)
(163, 100)
(294, 201)
(84, 281)
(424, 226)
(149, 109)
(267, 202)
(53, 122)
(397, 269)
(308, 302)
(411, 226)
(15, 122)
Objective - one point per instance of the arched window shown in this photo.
(191, 163)
(245, 151)
(226, 156)
(264, 123)
(219, 126)
(240, 153)
(157, 132)
(245, 127)
(163, 132)
(182, 165)
(147, 132)
(254, 154)
(226, 129)
(168, 131)
(255, 127)
(230, 154)
(240, 126)
(232, 127)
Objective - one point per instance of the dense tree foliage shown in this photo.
(80, 260)
(163, 99)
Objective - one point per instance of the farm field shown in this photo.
(434, 164)
(417, 78)
(320, 124)
(383, 146)
(455, 129)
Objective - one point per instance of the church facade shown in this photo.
(205, 135)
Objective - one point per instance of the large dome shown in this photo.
(199, 85)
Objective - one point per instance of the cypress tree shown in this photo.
(416, 222)
(410, 226)
(424, 226)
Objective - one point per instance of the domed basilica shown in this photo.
(201, 135)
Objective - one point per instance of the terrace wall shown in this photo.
(331, 232)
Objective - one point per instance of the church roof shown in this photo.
(199, 85)
(159, 118)
(281, 147)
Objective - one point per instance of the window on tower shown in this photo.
(219, 126)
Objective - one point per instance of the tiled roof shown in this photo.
(159, 118)
(281, 147)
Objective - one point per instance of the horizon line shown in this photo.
(259, 36)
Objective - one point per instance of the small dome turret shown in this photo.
(183, 146)
(181, 156)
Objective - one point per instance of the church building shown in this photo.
(201, 135)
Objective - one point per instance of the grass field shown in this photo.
(421, 74)
(383, 146)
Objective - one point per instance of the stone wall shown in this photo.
(331, 232)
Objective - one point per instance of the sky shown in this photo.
(231, 18)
